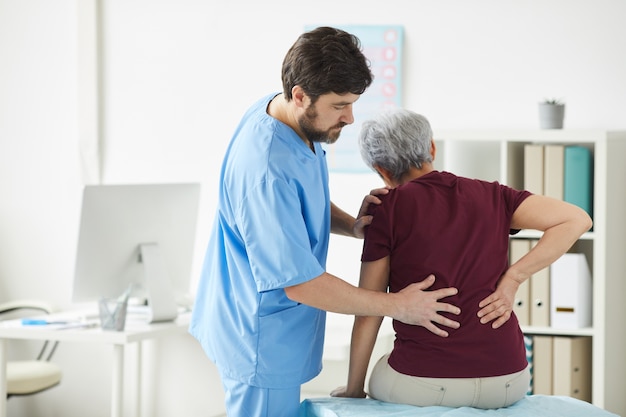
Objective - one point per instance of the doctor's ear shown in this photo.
(299, 97)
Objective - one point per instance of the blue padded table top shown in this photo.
(532, 405)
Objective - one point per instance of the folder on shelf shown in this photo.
(528, 344)
(570, 292)
(521, 308)
(540, 296)
(578, 177)
(533, 168)
(542, 365)
(572, 367)
(554, 171)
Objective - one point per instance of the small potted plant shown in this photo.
(551, 114)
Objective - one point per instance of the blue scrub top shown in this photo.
(271, 231)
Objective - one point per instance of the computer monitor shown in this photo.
(141, 235)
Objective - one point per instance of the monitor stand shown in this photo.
(161, 300)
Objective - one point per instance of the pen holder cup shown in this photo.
(112, 314)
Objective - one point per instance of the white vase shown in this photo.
(551, 115)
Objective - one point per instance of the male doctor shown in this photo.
(261, 303)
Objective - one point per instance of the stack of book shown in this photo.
(564, 172)
(560, 365)
(559, 296)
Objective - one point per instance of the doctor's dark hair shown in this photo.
(326, 60)
(396, 140)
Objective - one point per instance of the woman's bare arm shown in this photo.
(562, 225)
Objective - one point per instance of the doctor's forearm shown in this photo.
(341, 223)
(327, 292)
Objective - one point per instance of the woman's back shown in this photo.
(457, 229)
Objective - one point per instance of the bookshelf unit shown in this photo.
(498, 155)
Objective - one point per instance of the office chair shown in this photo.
(26, 377)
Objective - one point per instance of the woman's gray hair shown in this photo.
(396, 140)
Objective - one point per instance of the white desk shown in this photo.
(135, 332)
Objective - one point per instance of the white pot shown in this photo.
(551, 115)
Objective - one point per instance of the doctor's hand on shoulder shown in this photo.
(364, 218)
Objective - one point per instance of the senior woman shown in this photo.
(457, 229)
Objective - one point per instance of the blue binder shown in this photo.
(578, 178)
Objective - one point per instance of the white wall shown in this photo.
(176, 77)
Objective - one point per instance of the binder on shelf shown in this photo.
(542, 364)
(572, 367)
(528, 345)
(521, 308)
(570, 292)
(540, 296)
(578, 177)
(533, 168)
(554, 171)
